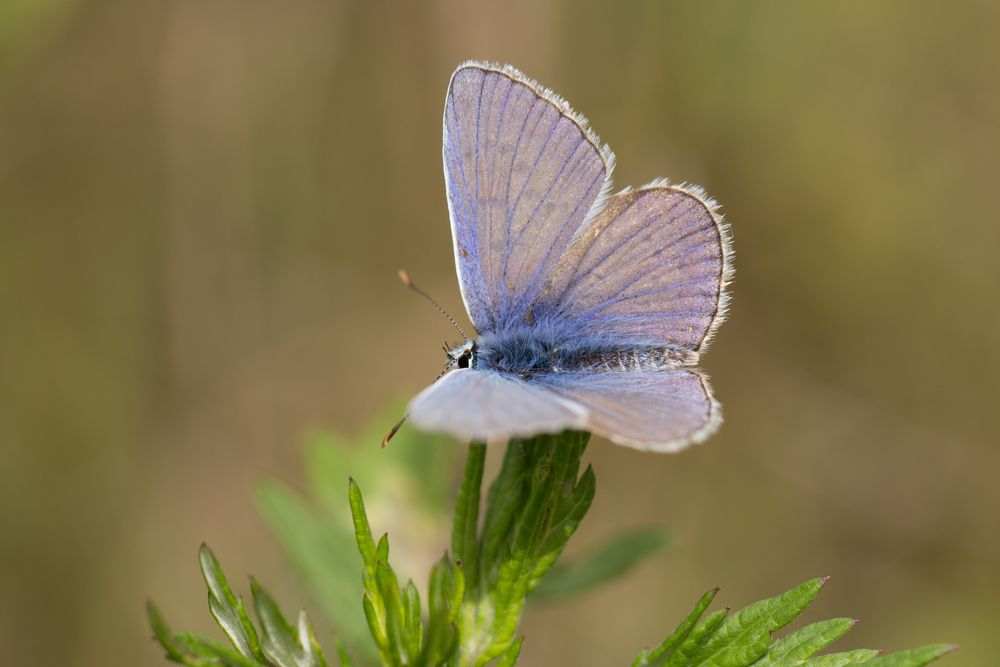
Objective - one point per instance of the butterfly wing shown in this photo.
(523, 173)
(657, 411)
(483, 405)
(651, 266)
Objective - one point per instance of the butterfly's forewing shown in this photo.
(662, 411)
(651, 266)
(484, 405)
(522, 171)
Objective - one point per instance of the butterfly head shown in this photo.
(462, 356)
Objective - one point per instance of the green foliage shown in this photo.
(393, 612)
(533, 508)
(476, 594)
(745, 638)
(412, 476)
(278, 644)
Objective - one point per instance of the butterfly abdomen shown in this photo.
(526, 353)
(644, 358)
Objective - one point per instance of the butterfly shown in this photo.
(592, 309)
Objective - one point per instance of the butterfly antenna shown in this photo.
(405, 277)
(392, 431)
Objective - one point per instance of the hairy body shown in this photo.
(556, 348)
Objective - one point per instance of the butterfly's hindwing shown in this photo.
(653, 265)
(658, 411)
(486, 405)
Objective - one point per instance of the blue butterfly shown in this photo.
(591, 308)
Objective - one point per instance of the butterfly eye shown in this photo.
(465, 361)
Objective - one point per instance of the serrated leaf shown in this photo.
(611, 560)
(912, 658)
(806, 641)
(530, 530)
(512, 582)
(464, 541)
(213, 653)
(510, 656)
(413, 629)
(312, 652)
(388, 586)
(324, 552)
(745, 635)
(557, 536)
(697, 638)
(846, 659)
(279, 644)
(362, 529)
(503, 504)
(670, 644)
(163, 635)
(440, 641)
(457, 591)
(319, 535)
(227, 609)
(376, 625)
(280, 641)
(373, 602)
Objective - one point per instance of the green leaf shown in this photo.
(318, 534)
(382, 548)
(510, 656)
(342, 656)
(457, 591)
(573, 509)
(860, 656)
(514, 571)
(913, 658)
(362, 529)
(280, 643)
(413, 629)
(324, 551)
(702, 631)
(162, 633)
(441, 637)
(745, 635)
(192, 650)
(669, 645)
(208, 652)
(503, 503)
(464, 543)
(373, 603)
(476, 601)
(312, 652)
(741, 639)
(376, 625)
(227, 609)
(806, 641)
(613, 559)
(388, 586)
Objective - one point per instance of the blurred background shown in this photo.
(203, 206)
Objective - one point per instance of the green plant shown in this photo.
(477, 592)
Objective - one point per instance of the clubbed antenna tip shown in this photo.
(392, 431)
(405, 277)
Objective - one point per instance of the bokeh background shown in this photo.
(203, 206)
